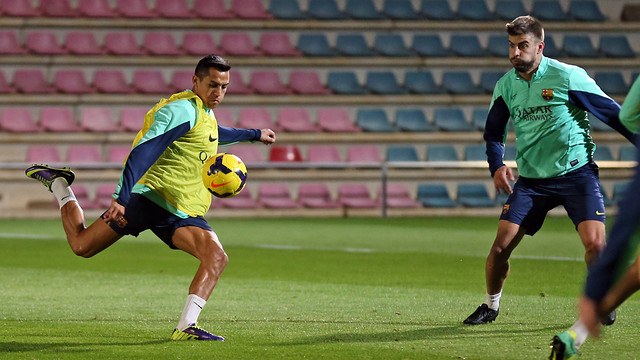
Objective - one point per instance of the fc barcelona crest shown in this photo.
(547, 94)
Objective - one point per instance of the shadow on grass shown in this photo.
(66, 347)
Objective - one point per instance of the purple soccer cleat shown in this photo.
(193, 332)
(47, 174)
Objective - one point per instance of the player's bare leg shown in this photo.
(593, 236)
(85, 242)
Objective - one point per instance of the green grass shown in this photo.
(298, 288)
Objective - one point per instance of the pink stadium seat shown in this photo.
(307, 82)
(336, 120)
(224, 117)
(174, 9)
(96, 9)
(57, 8)
(212, 9)
(244, 200)
(5, 86)
(268, 82)
(238, 86)
(118, 153)
(250, 9)
(122, 43)
(47, 154)
(248, 153)
(316, 196)
(398, 196)
(132, 118)
(277, 44)
(104, 195)
(111, 82)
(58, 119)
(98, 119)
(160, 43)
(323, 154)
(9, 43)
(255, 118)
(82, 196)
(181, 80)
(239, 44)
(276, 196)
(18, 8)
(31, 81)
(18, 120)
(82, 43)
(356, 196)
(296, 120)
(360, 154)
(44, 42)
(285, 153)
(84, 154)
(135, 9)
(150, 82)
(199, 43)
(72, 82)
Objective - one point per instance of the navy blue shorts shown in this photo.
(578, 191)
(142, 214)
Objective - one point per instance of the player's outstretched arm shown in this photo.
(267, 136)
(501, 179)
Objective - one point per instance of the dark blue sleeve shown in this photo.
(227, 135)
(142, 156)
(494, 133)
(603, 108)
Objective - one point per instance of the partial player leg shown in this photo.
(593, 236)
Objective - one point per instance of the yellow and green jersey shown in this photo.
(549, 115)
(165, 163)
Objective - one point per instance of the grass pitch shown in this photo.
(299, 288)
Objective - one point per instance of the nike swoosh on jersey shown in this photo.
(212, 139)
(599, 213)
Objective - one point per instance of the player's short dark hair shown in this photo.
(211, 61)
(526, 25)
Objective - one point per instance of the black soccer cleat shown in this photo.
(482, 315)
(608, 319)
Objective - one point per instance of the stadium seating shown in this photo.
(57, 8)
(325, 10)
(122, 43)
(474, 195)
(437, 10)
(44, 43)
(48, 154)
(363, 154)
(285, 153)
(402, 153)
(611, 82)
(96, 9)
(243, 200)
(413, 120)
(151, 82)
(183, 79)
(392, 45)
(268, 82)
(488, 80)
(551, 49)
(161, 43)
(31, 81)
(118, 153)
(549, 10)
(374, 120)
(498, 46)
(104, 195)
(398, 196)
(475, 152)
(84, 154)
(451, 119)
(277, 44)
(355, 196)
(249, 153)
(82, 196)
(479, 117)
(316, 196)
(250, 9)
(353, 45)
(286, 10)
(459, 82)
(173, 9)
(134, 9)
(345, 82)
(296, 120)
(132, 118)
(619, 190)
(199, 43)
(603, 153)
(605, 197)
(336, 120)
(467, 46)
(579, 46)
(383, 82)
(476, 10)
(18, 8)
(82, 43)
(71, 82)
(428, 45)
(585, 10)
(315, 45)
(400, 10)
(58, 119)
(238, 44)
(627, 153)
(224, 117)
(5, 86)
(323, 154)
(212, 9)
(442, 152)
(435, 196)
(276, 196)
(616, 46)
(238, 85)
(9, 43)
(307, 82)
(18, 120)
(98, 119)
(362, 10)
(421, 82)
(509, 9)
(256, 118)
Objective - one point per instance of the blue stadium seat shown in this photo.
(611, 82)
(498, 45)
(362, 10)
(619, 190)
(550, 48)
(315, 45)
(585, 10)
(475, 152)
(451, 119)
(616, 46)
(429, 45)
(474, 195)
(374, 120)
(509, 9)
(402, 153)
(605, 197)
(325, 10)
(459, 82)
(421, 82)
(549, 10)
(510, 151)
(345, 82)
(286, 10)
(474, 10)
(603, 153)
(413, 120)
(579, 46)
(467, 46)
(437, 10)
(598, 125)
(628, 153)
(400, 10)
(391, 45)
(488, 80)
(384, 82)
(442, 152)
(435, 195)
(353, 45)
(479, 117)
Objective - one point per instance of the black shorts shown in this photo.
(142, 214)
(578, 191)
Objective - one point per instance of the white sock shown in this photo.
(581, 333)
(62, 191)
(191, 311)
(493, 301)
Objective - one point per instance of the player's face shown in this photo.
(212, 88)
(525, 52)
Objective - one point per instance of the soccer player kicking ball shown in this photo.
(161, 187)
(611, 280)
(548, 101)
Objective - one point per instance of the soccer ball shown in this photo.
(224, 175)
